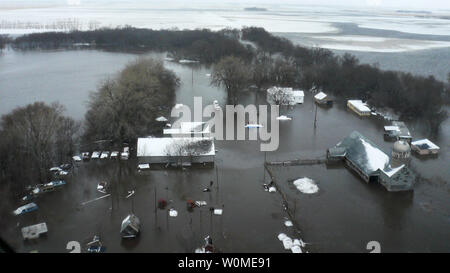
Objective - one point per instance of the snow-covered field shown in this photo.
(316, 22)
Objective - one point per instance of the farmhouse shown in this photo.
(285, 96)
(175, 151)
(359, 107)
(371, 164)
(424, 147)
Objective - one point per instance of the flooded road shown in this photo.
(343, 216)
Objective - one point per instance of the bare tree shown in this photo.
(125, 107)
(33, 138)
(232, 73)
(279, 96)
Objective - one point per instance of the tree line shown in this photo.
(203, 45)
(409, 95)
(33, 139)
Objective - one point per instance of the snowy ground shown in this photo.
(315, 21)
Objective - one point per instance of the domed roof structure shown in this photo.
(401, 146)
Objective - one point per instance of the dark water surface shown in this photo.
(345, 214)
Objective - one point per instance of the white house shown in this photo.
(285, 95)
(178, 151)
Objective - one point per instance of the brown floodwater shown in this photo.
(343, 216)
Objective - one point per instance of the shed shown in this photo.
(322, 98)
(34, 231)
(397, 131)
(424, 147)
(359, 107)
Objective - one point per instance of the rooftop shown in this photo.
(425, 144)
(170, 146)
(320, 96)
(366, 155)
(359, 105)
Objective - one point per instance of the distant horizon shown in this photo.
(411, 5)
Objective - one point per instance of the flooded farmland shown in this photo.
(343, 216)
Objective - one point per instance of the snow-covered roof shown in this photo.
(320, 96)
(389, 171)
(298, 93)
(376, 159)
(425, 144)
(170, 146)
(359, 105)
(363, 153)
(391, 128)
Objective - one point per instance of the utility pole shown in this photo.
(315, 118)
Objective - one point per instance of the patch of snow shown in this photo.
(288, 223)
(306, 185)
(218, 211)
(272, 189)
(161, 118)
(376, 159)
(294, 245)
(173, 213)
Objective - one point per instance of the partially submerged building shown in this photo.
(371, 164)
(424, 147)
(285, 95)
(175, 151)
(130, 227)
(359, 107)
(323, 99)
(397, 131)
(34, 231)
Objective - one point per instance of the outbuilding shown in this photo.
(424, 147)
(359, 107)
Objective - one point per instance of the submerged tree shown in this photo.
(32, 139)
(233, 74)
(125, 107)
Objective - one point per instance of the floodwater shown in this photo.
(343, 216)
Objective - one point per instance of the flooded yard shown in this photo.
(343, 216)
